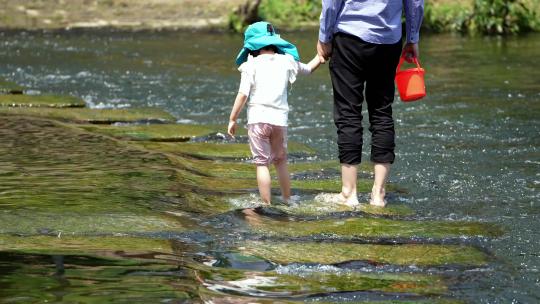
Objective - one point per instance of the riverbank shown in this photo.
(440, 15)
(121, 14)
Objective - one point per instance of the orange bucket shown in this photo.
(410, 82)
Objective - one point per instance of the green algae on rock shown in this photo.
(311, 282)
(219, 150)
(56, 178)
(329, 185)
(37, 101)
(89, 223)
(154, 132)
(378, 228)
(237, 169)
(391, 210)
(34, 278)
(324, 282)
(64, 244)
(314, 207)
(99, 116)
(334, 253)
(8, 87)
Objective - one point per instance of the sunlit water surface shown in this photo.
(470, 150)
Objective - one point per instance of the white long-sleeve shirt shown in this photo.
(265, 80)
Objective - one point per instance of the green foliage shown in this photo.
(502, 17)
(290, 13)
(484, 16)
(442, 17)
(235, 22)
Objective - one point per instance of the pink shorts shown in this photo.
(268, 143)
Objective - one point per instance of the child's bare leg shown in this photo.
(264, 182)
(379, 182)
(283, 178)
(348, 182)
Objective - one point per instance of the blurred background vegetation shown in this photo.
(466, 16)
(493, 17)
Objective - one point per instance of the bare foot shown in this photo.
(351, 200)
(339, 199)
(377, 198)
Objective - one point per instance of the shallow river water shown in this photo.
(469, 151)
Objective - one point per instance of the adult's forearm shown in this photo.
(328, 19)
(414, 13)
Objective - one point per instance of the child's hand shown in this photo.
(232, 128)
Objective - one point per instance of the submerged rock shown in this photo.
(374, 228)
(8, 87)
(154, 132)
(68, 244)
(56, 278)
(58, 177)
(220, 150)
(98, 116)
(38, 101)
(334, 253)
(311, 281)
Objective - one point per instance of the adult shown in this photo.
(363, 40)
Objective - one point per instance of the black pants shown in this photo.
(357, 64)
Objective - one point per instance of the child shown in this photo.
(267, 64)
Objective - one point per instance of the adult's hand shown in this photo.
(324, 50)
(410, 51)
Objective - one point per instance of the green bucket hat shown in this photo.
(261, 34)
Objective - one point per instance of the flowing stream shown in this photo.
(467, 152)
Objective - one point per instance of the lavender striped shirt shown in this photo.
(375, 21)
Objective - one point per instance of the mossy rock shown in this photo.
(317, 207)
(335, 253)
(352, 228)
(154, 132)
(305, 205)
(237, 169)
(328, 185)
(99, 116)
(68, 244)
(38, 101)
(390, 209)
(67, 223)
(8, 87)
(57, 178)
(222, 169)
(219, 150)
(309, 282)
(58, 278)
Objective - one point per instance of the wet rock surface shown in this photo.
(172, 209)
(50, 101)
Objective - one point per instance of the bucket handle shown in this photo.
(402, 59)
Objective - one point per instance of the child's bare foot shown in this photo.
(377, 198)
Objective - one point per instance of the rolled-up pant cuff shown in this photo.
(350, 157)
(382, 157)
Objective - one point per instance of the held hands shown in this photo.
(231, 129)
(324, 50)
(410, 51)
